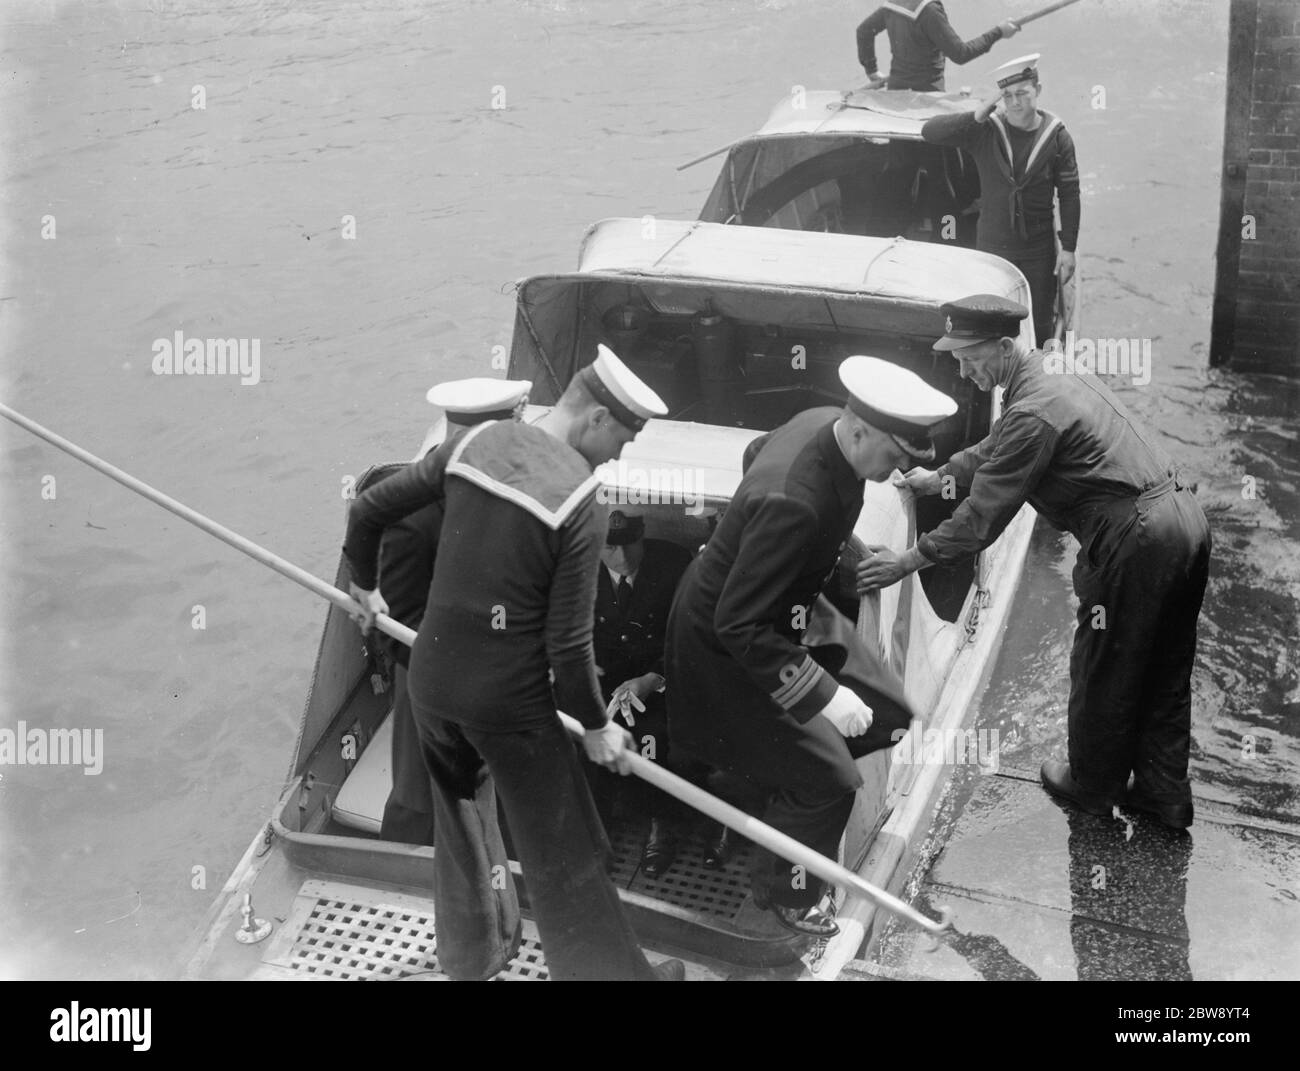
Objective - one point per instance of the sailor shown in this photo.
(919, 38)
(744, 694)
(406, 557)
(1066, 445)
(510, 607)
(1023, 154)
(636, 582)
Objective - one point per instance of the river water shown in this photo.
(226, 221)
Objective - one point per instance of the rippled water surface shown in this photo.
(225, 221)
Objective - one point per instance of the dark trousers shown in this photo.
(811, 798)
(1039, 270)
(1130, 679)
(408, 814)
(806, 777)
(559, 842)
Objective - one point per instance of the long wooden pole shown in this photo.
(1043, 11)
(760, 833)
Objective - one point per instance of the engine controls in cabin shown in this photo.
(253, 928)
(624, 326)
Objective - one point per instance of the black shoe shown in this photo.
(805, 921)
(721, 847)
(671, 970)
(1176, 815)
(660, 849)
(1058, 780)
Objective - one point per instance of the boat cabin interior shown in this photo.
(739, 357)
(848, 184)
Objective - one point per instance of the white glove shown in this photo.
(849, 714)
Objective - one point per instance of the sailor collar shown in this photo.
(1046, 128)
(527, 467)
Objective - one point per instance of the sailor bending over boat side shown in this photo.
(406, 558)
(1024, 155)
(512, 598)
(1066, 445)
(745, 695)
(920, 36)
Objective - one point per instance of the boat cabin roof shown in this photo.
(788, 281)
(869, 113)
(773, 259)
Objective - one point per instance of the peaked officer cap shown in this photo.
(979, 318)
(896, 401)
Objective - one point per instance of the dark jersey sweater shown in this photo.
(920, 36)
(514, 582)
(1017, 185)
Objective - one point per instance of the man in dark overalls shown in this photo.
(406, 558)
(746, 694)
(920, 36)
(1066, 445)
(1024, 156)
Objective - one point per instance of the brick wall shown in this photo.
(1257, 294)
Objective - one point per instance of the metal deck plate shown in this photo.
(688, 883)
(350, 932)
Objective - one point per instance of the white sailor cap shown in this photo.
(896, 401)
(476, 400)
(617, 388)
(1020, 69)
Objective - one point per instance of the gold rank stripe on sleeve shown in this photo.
(798, 682)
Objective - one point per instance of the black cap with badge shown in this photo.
(624, 529)
(979, 318)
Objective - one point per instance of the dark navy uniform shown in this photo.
(512, 596)
(920, 36)
(743, 692)
(629, 642)
(1067, 445)
(406, 558)
(1019, 172)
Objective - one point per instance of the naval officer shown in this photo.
(1024, 155)
(406, 558)
(511, 604)
(744, 694)
(1067, 445)
(634, 592)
